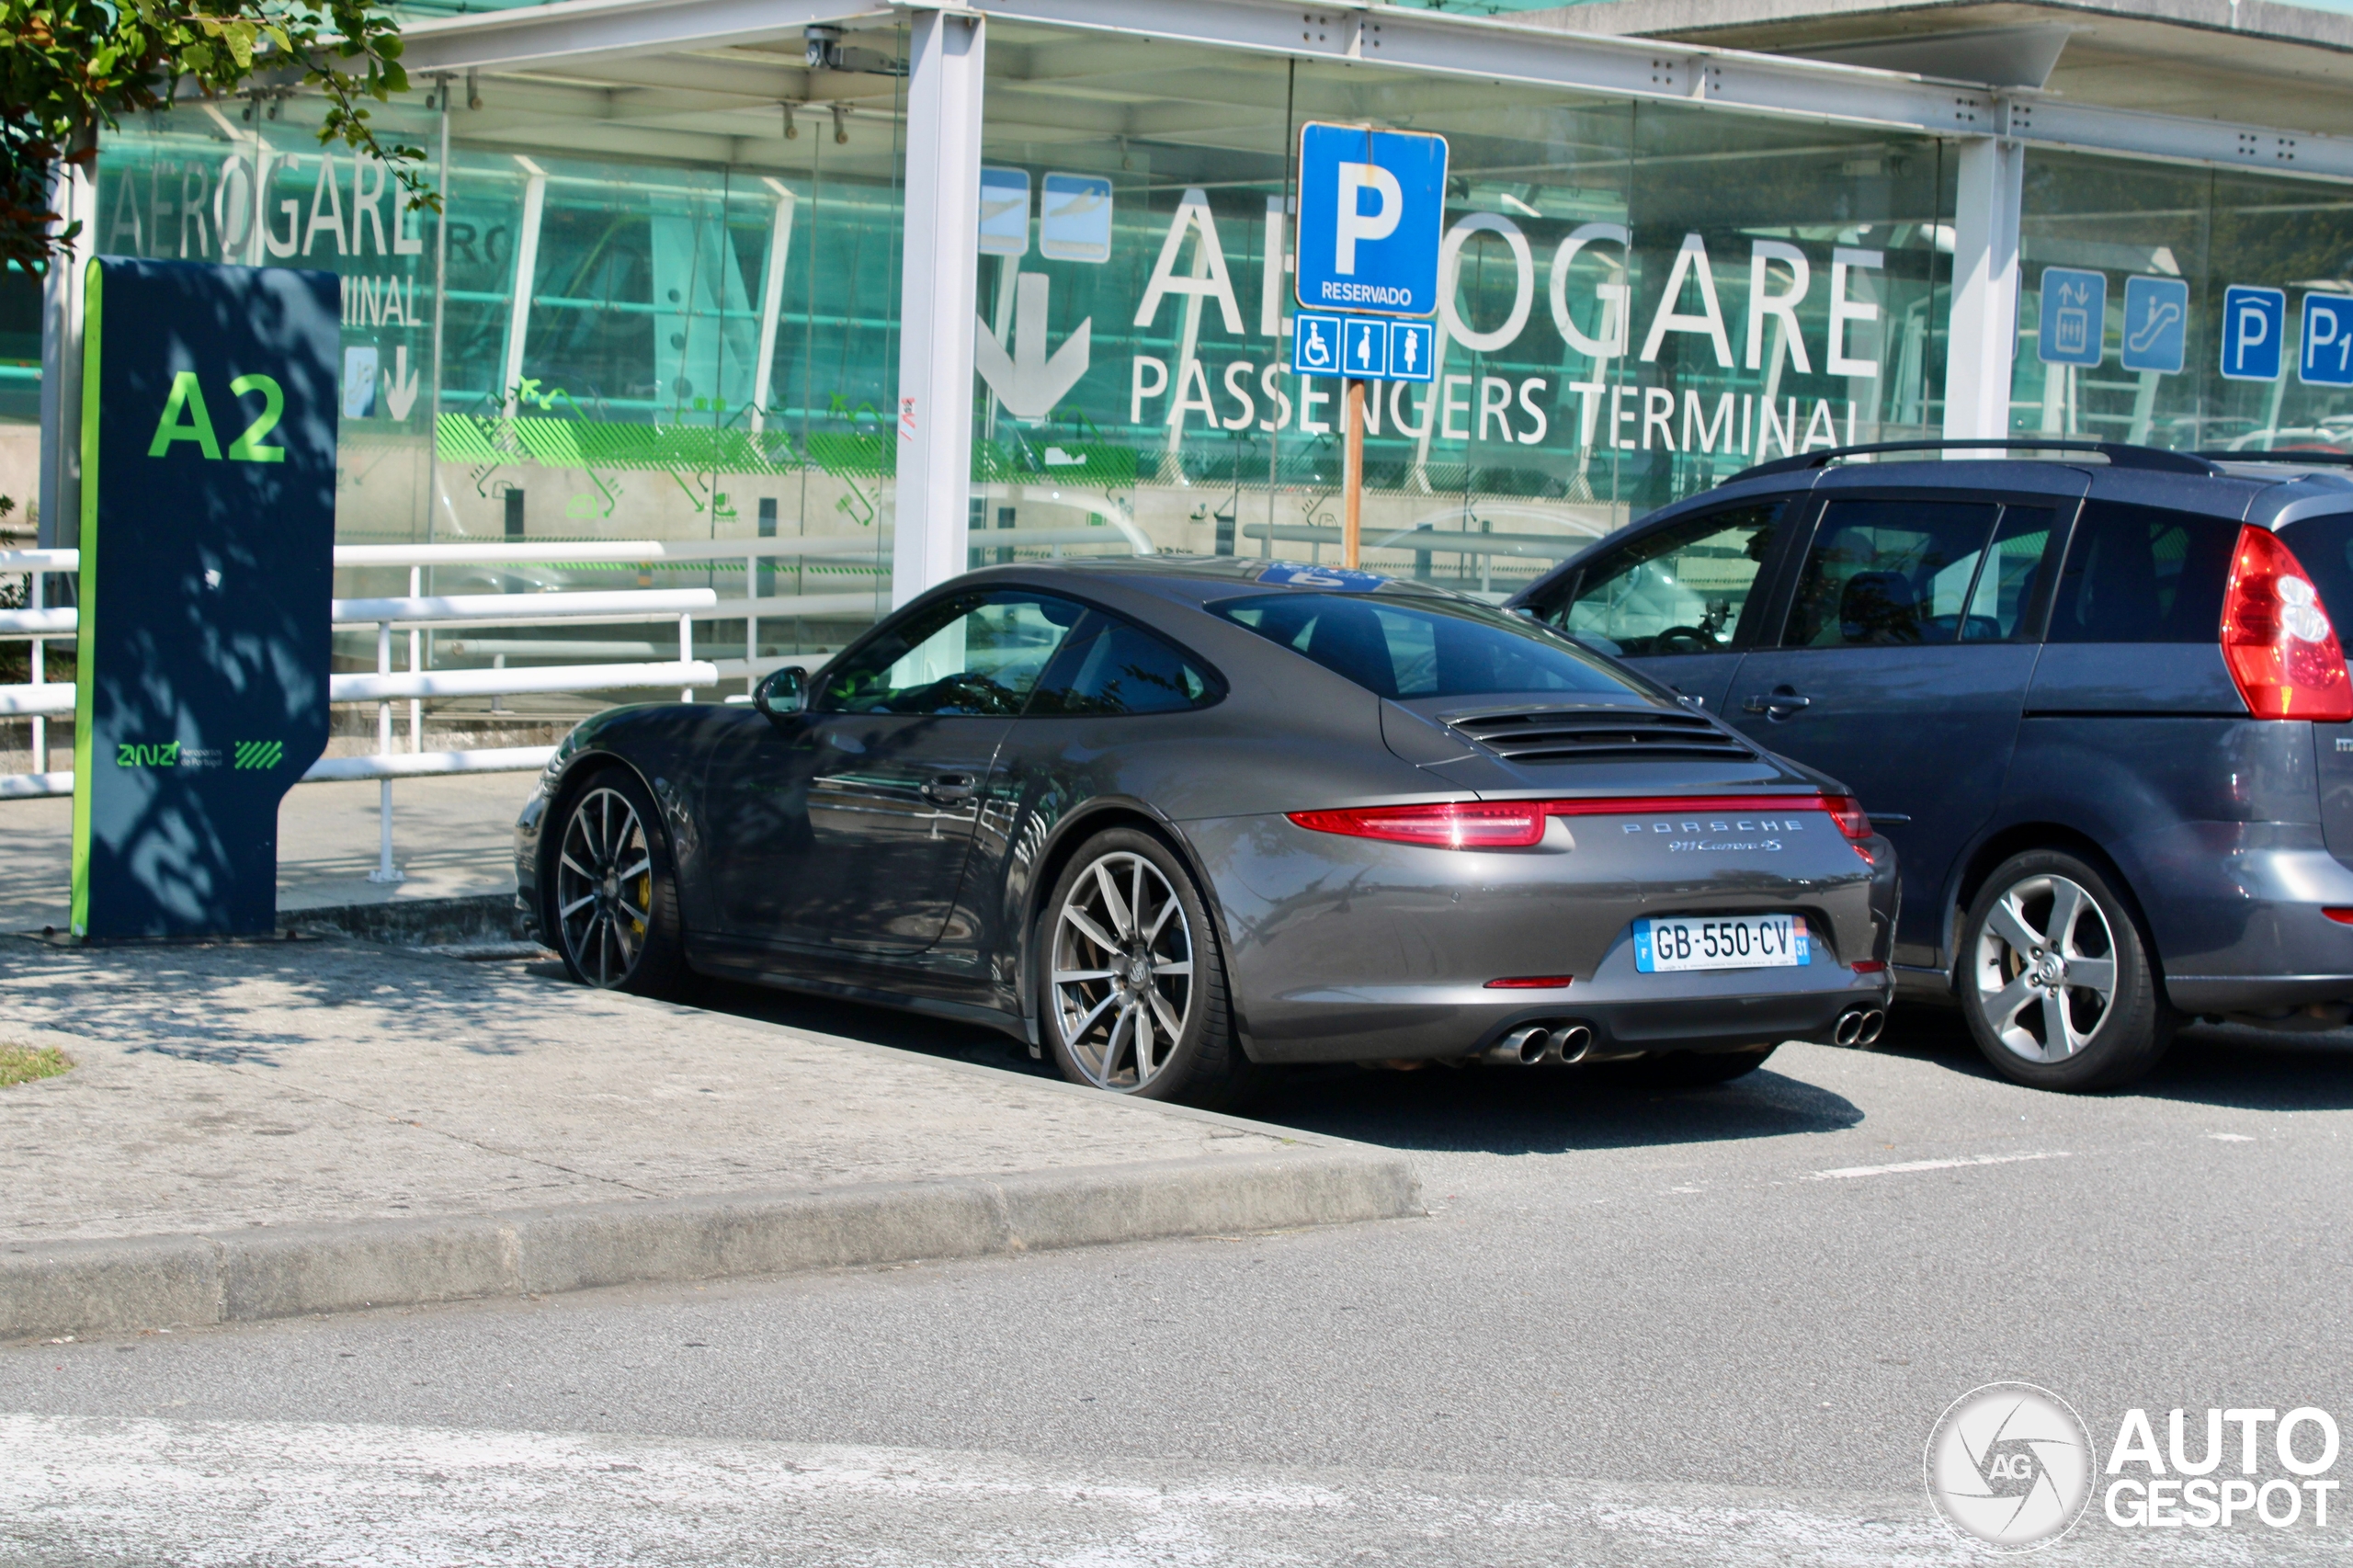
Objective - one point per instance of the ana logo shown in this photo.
(127, 754)
(2010, 1464)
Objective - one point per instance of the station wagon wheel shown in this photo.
(2055, 977)
(613, 899)
(1132, 995)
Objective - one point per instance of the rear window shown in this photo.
(1428, 648)
(2324, 547)
(2143, 575)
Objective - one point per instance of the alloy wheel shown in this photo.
(603, 886)
(1122, 974)
(2045, 968)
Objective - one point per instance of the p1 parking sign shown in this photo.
(1370, 207)
(2325, 358)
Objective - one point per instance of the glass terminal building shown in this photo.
(901, 279)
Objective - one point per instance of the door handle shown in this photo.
(1781, 703)
(949, 788)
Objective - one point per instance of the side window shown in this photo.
(1886, 572)
(2005, 584)
(979, 654)
(2143, 575)
(1110, 667)
(1680, 590)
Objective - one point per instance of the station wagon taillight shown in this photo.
(2276, 635)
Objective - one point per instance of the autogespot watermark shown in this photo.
(2012, 1465)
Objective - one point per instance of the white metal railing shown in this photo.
(623, 665)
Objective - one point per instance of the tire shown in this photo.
(1136, 1008)
(2055, 980)
(613, 901)
(1693, 1069)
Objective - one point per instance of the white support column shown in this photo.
(74, 194)
(527, 266)
(936, 303)
(771, 298)
(1982, 336)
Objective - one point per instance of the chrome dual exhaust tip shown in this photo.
(1521, 1048)
(1535, 1043)
(1859, 1028)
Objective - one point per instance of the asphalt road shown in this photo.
(1714, 1326)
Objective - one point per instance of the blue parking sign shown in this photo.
(1412, 346)
(2156, 324)
(2073, 328)
(1372, 204)
(1315, 345)
(2326, 357)
(2254, 320)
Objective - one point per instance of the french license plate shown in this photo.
(1732, 941)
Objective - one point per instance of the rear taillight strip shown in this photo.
(1518, 825)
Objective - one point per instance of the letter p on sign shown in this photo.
(1354, 223)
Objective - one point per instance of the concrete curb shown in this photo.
(413, 922)
(117, 1287)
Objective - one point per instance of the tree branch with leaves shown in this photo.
(71, 68)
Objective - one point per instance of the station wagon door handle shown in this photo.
(1780, 704)
(949, 788)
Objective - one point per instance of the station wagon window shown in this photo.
(977, 653)
(2143, 575)
(1680, 590)
(1893, 572)
(1109, 667)
(2324, 547)
(1431, 647)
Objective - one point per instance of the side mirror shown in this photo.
(784, 693)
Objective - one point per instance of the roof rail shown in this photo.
(2120, 454)
(2282, 455)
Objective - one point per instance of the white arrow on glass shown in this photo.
(400, 384)
(1027, 382)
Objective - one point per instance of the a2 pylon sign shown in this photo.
(208, 559)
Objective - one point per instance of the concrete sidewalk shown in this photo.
(452, 837)
(262, 1130)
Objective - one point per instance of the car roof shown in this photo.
(1203, 579)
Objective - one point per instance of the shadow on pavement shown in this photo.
(1537, 1111)
(1499, 1110)
(2217, 1065)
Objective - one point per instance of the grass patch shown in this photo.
(24, 1063)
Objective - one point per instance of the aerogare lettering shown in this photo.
(2304, 1442)
(1591, 305)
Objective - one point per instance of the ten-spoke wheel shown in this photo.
(2055, 978)
(613, 901)
(1132, 995)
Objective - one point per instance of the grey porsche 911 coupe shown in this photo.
(1173, 821)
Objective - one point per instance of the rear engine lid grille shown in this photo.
(1591, 734)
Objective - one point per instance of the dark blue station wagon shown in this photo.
(2100, 706)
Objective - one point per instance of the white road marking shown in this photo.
(1909, 1165)
(2230, 1138)
(236, 1493)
